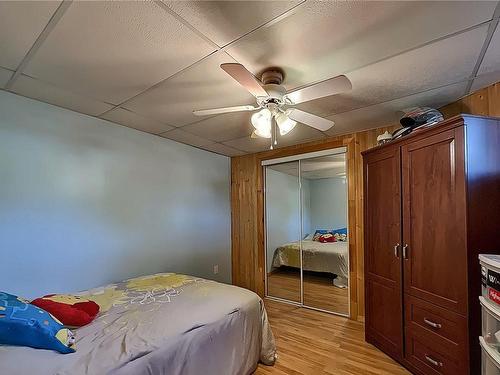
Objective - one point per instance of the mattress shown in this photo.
(332, 257)
(160, 324)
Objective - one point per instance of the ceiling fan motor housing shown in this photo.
(275, 95)
(272, 76)
(272, 80)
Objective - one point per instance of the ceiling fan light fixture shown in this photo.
(285, 123)
(273, 101)
(262, 119)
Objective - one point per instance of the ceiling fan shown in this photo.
(275, 103)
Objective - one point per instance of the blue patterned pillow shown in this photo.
(27, 325)
(322, 231)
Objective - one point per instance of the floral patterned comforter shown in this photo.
(158, 324)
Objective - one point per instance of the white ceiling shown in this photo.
(147, 65)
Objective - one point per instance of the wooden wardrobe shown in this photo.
(431, 205)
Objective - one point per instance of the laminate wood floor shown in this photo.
(311, 343)
(319, 290)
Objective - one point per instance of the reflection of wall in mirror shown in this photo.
(328, 203)
(283, 212)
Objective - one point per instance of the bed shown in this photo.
(331, 257)
(160, 324)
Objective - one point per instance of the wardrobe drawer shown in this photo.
(431, 358)
(422, 315)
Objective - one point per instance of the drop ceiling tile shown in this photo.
(390, 112)
(187, 138)
(219, 148)
(485, 80)
(444, 62)
(250, 145)
(364, 118)
(21, 22)
(36, 89)
(300, 134)
(133, 120)
(223, 127)
(322, 39)
(5, 75)
(225, 21)
(113, 50)
(204, 85)
(491, 60)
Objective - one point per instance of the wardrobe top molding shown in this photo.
(452, 122)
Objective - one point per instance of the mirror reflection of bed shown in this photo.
(308, 218)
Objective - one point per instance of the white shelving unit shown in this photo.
(490, 305)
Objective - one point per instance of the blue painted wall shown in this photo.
(84, 202)
(282, 210)
(328, 203)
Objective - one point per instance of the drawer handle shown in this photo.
(432, 324)
(433, 361)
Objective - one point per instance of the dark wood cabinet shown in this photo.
(426, 196)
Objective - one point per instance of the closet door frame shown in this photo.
(311, 155)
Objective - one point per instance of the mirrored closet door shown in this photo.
(283, 231)
(307, 250)
(325, 251)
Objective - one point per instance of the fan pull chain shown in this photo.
(274, 140)
(272, 133)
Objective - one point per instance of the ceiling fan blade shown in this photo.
(244, 78)
(309, 119)
(329, 87)
(216, 111)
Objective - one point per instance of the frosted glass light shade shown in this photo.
(261, 121)
(285, 123)
(263, 133)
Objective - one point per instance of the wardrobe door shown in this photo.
(384, 325)
(434, 223)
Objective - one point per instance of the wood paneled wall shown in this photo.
(247, 197)
(485, 102)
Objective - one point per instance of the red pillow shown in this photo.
(70, 310)
(327, 238)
